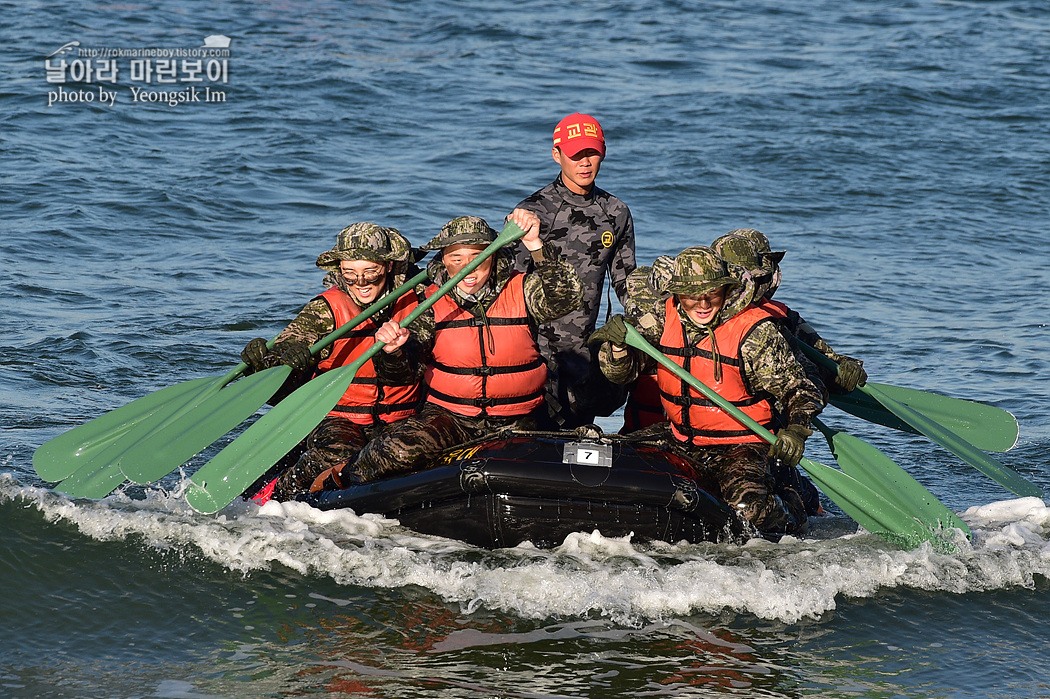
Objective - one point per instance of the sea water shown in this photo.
(896, 150)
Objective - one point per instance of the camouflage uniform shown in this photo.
(769, 368)
(336, 438)
(551, 291)
(768, 278)
(595, 233)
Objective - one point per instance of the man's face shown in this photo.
(458, 256)
(578, 172)
(365, 279)
(702, 308)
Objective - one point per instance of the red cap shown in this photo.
(577, 132)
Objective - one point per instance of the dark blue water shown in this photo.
(897, 150)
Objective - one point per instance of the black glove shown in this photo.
(615, 331)
(297, 356)
(851, 374)
(790, 444)
(253, 354)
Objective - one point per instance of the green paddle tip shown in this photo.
(201, 500)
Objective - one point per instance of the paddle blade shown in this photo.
(92, 481)
(61, 457)
(984, 426)
(867, 508)
(249, 456)
(176, 437)
(874, 469)
(1004, 476)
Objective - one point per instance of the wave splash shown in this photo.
(588, 575)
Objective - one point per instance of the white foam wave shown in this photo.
(588, 574)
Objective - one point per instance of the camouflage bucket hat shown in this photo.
(761, 243)
(366, 241)
(464, 230)
(738, 250)
(699, 270)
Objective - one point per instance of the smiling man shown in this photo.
(367, 261)
(475, 348)
(594, 231)
(702, 318)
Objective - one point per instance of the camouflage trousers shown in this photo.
(410, 445)
(745, 477)
(333, 441)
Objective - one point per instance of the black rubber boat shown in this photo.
(542, 486)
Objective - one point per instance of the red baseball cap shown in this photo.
(577, 132)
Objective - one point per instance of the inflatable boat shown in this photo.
(541, 486)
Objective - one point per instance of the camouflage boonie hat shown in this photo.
(738, 250)
(699, 270)
(463, 230)
(365, 241)
(761, 243)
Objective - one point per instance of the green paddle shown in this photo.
(873, 511)
(1003, 475)
(882, 474)
(61, 456)
(950, 440)
(97, 476)
(984, 426)
(186, 434)
(162, 441)
(246, 458)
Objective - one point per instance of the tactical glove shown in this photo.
(615, 331)
(297, 356)
(790, 444)
(253, 354)
(851, 374)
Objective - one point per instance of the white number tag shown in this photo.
(587, 456)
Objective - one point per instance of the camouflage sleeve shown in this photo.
(826, 378)
(770, 367)
(805, 332)
(534, 203)
(313, 322)
(402, 367)
(411, 362)
(553, 288)
(648, 320)
(789, 329)
(623, 261)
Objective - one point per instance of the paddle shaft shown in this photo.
(242, 461)
(864, 505)
(162, 440)
(985, 426)
(1001, 474)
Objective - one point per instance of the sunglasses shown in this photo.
(365, 278)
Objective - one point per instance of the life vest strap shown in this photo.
(690, 400)
(477, 322)
(489, 370)
(486, 402)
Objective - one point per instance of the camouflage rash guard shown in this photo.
(595, 233)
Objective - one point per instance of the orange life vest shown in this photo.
(693, 417)
(778, 310)
(471, 377)
(367, 401)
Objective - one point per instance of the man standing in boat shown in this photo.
(366, 261)
(476, 348)
(703, 320)
(594, 231)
